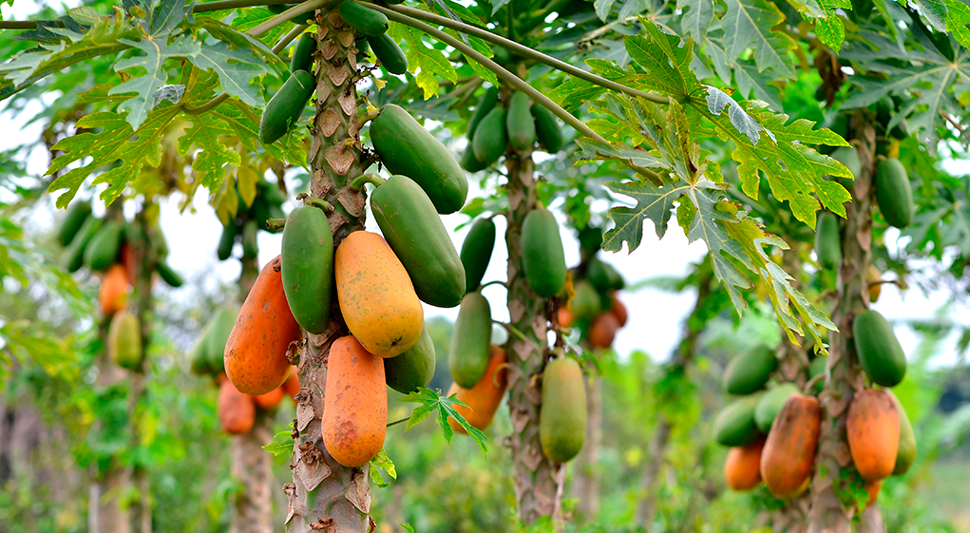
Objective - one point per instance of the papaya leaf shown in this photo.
(235, 69)
(831, 31)
(666, 60)
(747, 24)
(381, 461)
(431, 402)
(239, 40)
(282, 443)
(156, 53)
(249, 18)
(423, 61)
(698, 16)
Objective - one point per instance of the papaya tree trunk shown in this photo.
(324, 495)
(586, 485)
(538, 480)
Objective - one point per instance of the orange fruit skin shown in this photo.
(376, 296)
(565, 317)
(872, 428)
(603, 330)
(355, 405)
(237, 411)
(789, 452)
(114, 290)
(619, 311)
(269, 400)
(485, 397)
(255, 355)
(292, 384)
(872, 488)
(742, 469)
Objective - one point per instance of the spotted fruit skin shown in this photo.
(789, 453)
(485, 397)
(355, 406)
(872, 429)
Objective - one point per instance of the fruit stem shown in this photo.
(511, 329)
(503, 212)
(359, 181)
(494, 282)
(275, 223)
(314, 201)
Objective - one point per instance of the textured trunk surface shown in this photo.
(586, 485)
(538, 481)
(324, 495)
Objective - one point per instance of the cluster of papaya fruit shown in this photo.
(595, 307)
(244, 227)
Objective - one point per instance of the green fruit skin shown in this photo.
(199, 356)
(76, 216)
(486, 104)
(562, 416)
(160, 245)
(124, 340)
(471, 341)
(75, 252)
(102, 251)
(548, 132)
(476, 252)
(900, 131)
(412, 369)
(828, 244)
(597, 272)
(169, 276)
(617, 283)
(906, 453)
(543, 258)
(406, 148)
(771, 403)
(878, 349)
(735, 425)
(849, 157)
(750, 370)
(303, 54)
(363, 19)
(271, 193)
(307, 267)
(894, 194)
(816, 367)
(389, 53)
(471, 163)
(220, 328)
(249, 240)
(586, 301)
(491, 137)
(519, 123)
(414, 231)
(227, 240)
(286, 106)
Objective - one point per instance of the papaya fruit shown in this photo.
(198, 358)
(285, 107)
(900, 131)
(375, 294)
(271, 192)
(906, 454)
(471, 163)
(491, 137)
(355, 411)
(470, 341)
(414, 231)
(76, 216)
(742, 468)
(879, 351)
(412, 369)
(217, 335)
(307, 262)
(269, 400)
(485, 105)
(872, 489)
(170, 277)
(543, 258)
(816, 367)
(598, 273)
(565, 317)
(873, 277)
(103, 249)
(894, 193)
(124, 340)
(114, 290)
(406, 148)
(255, 353)
(160, 245)
(74, 255)
(226, 241)
(562, 415)
(476, 252)
(518, 122)
(603, 330)
(548, 132)
(735, 425)
(849, 157)
(750, 370)
(586, 302)
(302, 58)
(771, 404)
(364, 20)
(389, 53)
(619, 310)
(292, 384)
(237, 411)
(884, 111)
(872, 430)
(484, 399)
(789, 453)
(828, 244)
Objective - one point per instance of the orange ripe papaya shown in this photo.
(128, 260)
(789, 453)
(376, 296)
(355, 406)
(292, 384)
(872, 428)
(255, 355)
(237, 411)
(485, 397)
(872, 488)
(114, 290)
(603, 330)
(565, 317)
(619, 310)
(269, 400)
(742, 469)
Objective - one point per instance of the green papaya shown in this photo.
(102, 251)
(893, 193)
(879, 351)
(363, 49)
(548, 132)
(306, 259)
(900, 131)
(160, 245)
(735, 424)
(250, 243)
(389, 53)
(270, 192)
(848, 156)
(884, 111)
(486, 104)
(562, 415)
(169, 276)
(598, 273)
(227, 240)
(363, 19)
(414, 231)
(750, 370)
(906, 453)
(285, 107)
(220, 328)
(590, 240)
(76, 215)
(586, 302)
(491, 137)
(470, 341)
(828, 243)
(816, 367)
(518, 122)
(543, 258)
(412, 369)
(198, 356)
(471, 163)
(476, 252)
(406, 148)
(302, 58)
(124, 340)
(75, 252)
(771, 403)
(278, 8)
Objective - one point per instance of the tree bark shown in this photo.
(586, 485)
(325, 495)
